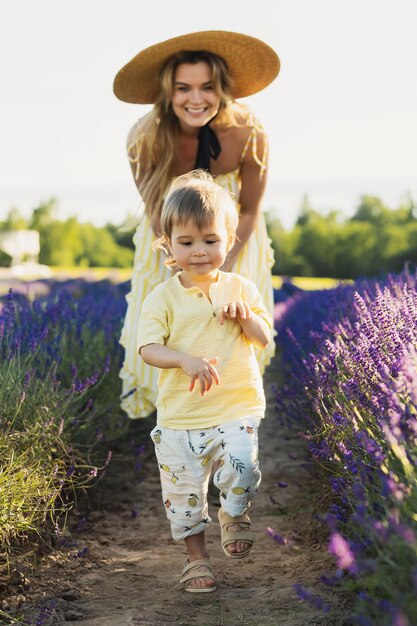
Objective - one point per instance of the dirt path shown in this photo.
(130, 574)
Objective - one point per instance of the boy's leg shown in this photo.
(238, 476)
(184, 490)
(183, 483)
(196, 549)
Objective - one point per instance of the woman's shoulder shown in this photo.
(241, 127)
(136, 142)
(139, 129)
(246, 132)
(242, 116)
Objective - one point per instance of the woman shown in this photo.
(193, 81)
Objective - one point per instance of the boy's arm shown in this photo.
(256, 330)
(196, 368)
(254, 327)
(160, 356)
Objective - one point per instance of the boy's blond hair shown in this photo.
(196, 196)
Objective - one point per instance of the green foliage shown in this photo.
(35, 451)
(70, 243)
(98, 249)
(375, 240)
(5, 259)
(59, 398)
(123, 235)
(14, 221)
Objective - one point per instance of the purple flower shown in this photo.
(80, 554)
(362, 620)
(314, 600)
(70, 471)
(278, 538)
(339, 547)
(399, 619)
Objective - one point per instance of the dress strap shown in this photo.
(256, 128)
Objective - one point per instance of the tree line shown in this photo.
(69, 243)
(376, 239)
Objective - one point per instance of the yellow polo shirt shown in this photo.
(184, 319)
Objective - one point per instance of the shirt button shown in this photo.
(200, 295)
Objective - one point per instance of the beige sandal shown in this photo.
(190, 573)
(229, 536)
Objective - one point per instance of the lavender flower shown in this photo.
(339, 547)
(278, 538)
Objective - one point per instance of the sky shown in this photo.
(341, 116)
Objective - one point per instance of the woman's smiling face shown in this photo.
(194, 100)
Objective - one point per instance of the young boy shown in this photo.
(200, 328)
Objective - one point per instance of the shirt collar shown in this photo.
(220, 278)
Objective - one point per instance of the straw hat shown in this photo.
(252, 64)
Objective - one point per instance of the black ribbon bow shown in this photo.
(208, 147)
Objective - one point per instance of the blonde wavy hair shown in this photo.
(196, 196)
(159, 131)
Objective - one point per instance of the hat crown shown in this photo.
(252, 64)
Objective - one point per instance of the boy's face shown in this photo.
(197, 251)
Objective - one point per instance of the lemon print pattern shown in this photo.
(193, 499)
(185, 459)
(157, 437)
(239, 491)
(174, 478)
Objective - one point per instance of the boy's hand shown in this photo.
(202, 370)
(235, 311)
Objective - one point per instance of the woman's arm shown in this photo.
(253, 187)
(138, 160)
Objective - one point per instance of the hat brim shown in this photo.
(252, 64)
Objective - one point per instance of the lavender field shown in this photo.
(59, 361)
(349, 366)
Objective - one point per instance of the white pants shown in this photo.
(185, 460)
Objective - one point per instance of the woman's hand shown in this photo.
(200, 369)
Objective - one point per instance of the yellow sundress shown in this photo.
(255, 260)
